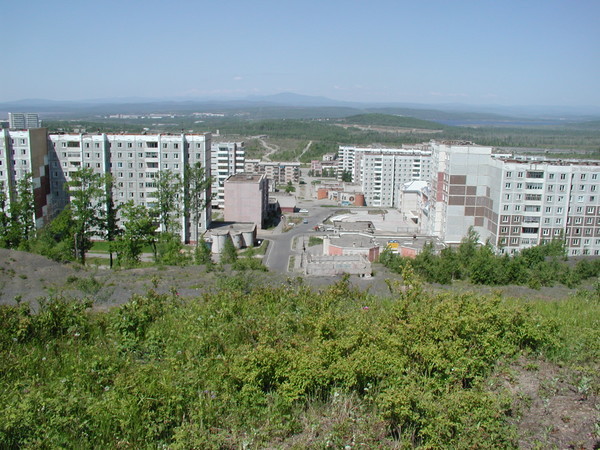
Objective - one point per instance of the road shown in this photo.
(280, 246)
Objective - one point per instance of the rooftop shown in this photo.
(244, 177)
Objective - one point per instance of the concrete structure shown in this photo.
(276, 172)
(246, 198)
(327, 266)
(23, 121)
(134, 161)
(22, 153)
(381, 171)
(351, 244)
(242, 235)
(227, 158)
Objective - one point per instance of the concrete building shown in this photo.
(381, 171)
(246, 198)
(22, 153)
(23, 121)
(276, 172)
(351, 244)
(465, 191)
(227, 158)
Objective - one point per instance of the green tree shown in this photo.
(228, 253)
(88, 198)
(139, 229)
(289, 188)
(4, 217)
(19, 228)
(197, 194)
(108, 217)
(167, 204)
(346, 176)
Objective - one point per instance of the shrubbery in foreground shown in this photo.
(251, 367)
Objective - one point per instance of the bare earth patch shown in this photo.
(554, 406)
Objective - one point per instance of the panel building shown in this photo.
(23, 121)
(227, 158)
(134, 161)
(22, 153)
(382, 172)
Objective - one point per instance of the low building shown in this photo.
(242, 235)
(246, 198)
(327, 266)
(351, 244)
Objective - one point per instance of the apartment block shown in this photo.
(21, 153)
(276, 172)
(546, 199)
(23, 121)
(383, 171)
(134, 161)
(464, 192)
(227, 158)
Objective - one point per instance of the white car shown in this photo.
(303, 211)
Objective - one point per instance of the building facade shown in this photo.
(23, 121)
(133, 160)
(382, 172)
(22, 153)
(247, 198)
(227, 158)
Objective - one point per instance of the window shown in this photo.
(548, 209)
(507, 186)
(505, 207)
(517, 207)
(580, 198)
(563, 176)
(551, 176)
(549, 198)
(520, 174)
(590, 210)
(550, 187)
(508, 174)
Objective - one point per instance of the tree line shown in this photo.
(128, 228)
(541, 265)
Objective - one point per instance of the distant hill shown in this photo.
(389, 120)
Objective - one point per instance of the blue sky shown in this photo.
(510, 52)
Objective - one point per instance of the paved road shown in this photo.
(280, 246)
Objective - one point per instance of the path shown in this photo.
(271, 148)
(304, 151)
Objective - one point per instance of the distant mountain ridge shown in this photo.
(292, 105)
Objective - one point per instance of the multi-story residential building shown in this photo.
(276, 172)
(513, 203)
(227, 158)
(134, 161)
(23, 121)
(546, 199)
(247, 198)
(383, 171)
(23, 153)
(464, 192)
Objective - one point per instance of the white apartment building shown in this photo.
(227, 158)
(546, 199)
(21, 153)
(276, 172)
(383, 171)
(464, 192)
(134, 160)
(23, 121)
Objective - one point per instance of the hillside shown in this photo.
(188, 359)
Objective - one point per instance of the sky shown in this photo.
(480, 52)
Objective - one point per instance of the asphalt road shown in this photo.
(280, 246)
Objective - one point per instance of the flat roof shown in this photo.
(244, 177)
